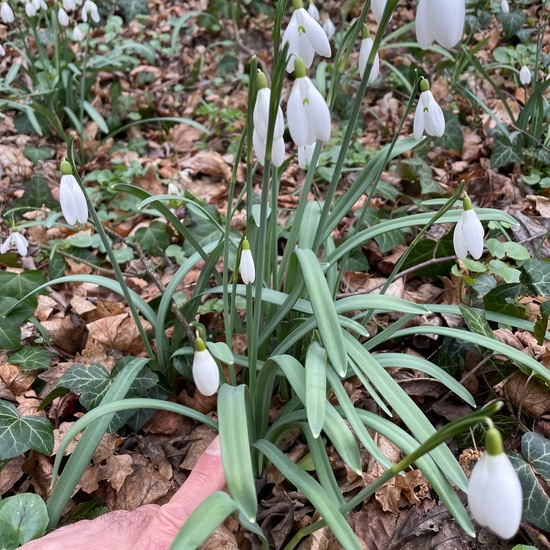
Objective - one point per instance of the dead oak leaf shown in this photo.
(118, 332)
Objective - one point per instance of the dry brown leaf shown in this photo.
(15, 163)
(210, 163)
(10, 473)
(118, 332)
(201, 437)
(59, 434)
(69, 336)
(530, 395)
(46, 305)
(220, 539)
(14, 379)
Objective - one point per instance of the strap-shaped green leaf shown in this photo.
(323, 310)
(234, 425)
(316, 387)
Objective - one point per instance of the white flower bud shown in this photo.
(246, 267)
(313, 11)
(62, 17)
(505, 8)
(468, 234)
(525, 75)
(205, 370)
(364, 53)
(72, 198)
(6, 13)
(328, 27)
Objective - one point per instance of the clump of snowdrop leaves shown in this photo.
(440, 20)
(305, 37)
(468, 234)
(6, 13)
(494, 492)
(246, 267)
(525, 75)
(307, 112)
(428, 116)
(15, 239)
(260, 118)
(364, 53)
(71, 196)
(205, 371)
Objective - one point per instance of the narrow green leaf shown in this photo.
(316, 387)
(476, 321)
(95, 116)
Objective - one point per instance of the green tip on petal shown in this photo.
(199, 344)
(424, 84)
(246, 244)
(297, 4)
(365, 32)
(467, 203)
(66, 168)
(299, 68)
(493, 442)
(261, 80)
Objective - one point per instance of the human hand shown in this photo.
(150, 527)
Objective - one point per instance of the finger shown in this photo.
(206, 478)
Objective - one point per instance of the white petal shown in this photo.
(473, 233)
(6, 13)
(434, 119)
(260, 115)
(525, 75)
(424, 33)
(317, 113)
(329, 28)
(313, 11)
(62, 17)
(5, 246)
(418, 124)
(296, 116)
(378, 9)
(21, 243)
(2, 50)
(259, 147)
(447, 21)
(66, 199)
(314, 33)
(247, 269)
(504, 6)
(304, 155)
(278, 152)
(206, 373)
(364, 52)
(279, 129)
(461, 250)
(291, 36)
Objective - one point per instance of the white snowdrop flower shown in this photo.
(260, 117)
(378, 7)
(428, 116)
(30, 10)
(17, 240)
(69, 5)
(2, 50)
(494, 491)
(304, 155)
(364, 53)
(328, 27)
(205, 370)
(468, 234)
(440, 20)
(313, 11)
(246, 267)
(505, 8)
(307, 112)
(62, 17)
(173, 190)
(6, 13)
(525, 75)
(78, 34)
(90, 7)
(72, 198)
(305, 37)
(38, 5)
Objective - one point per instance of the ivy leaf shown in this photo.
(541, 323)
(133, 8)
(512, 22)
(154, 238)
(476, 321)
(37, 194)
(32, 358)
(18, 435)
(37, 154)
(504, 152)
(18, 285)
(537, 274)
(10, 322)
(503, 299)
(24, 517)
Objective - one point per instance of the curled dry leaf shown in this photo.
(118, 332)
(530, 395)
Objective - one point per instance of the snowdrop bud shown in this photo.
(90, 7)
(468, 234)
(78, 34)
(378, 7)
(69, 5)
(246, 268)
(313, 11)
(205, 371)
(305, 37)
(328, 27)
(307, 112)
(17, 240)
(428, 116)
(440, 20)
(260, 118)
(364, 53)
(494, 493)
(6, 13)
(71, 196)
(304, 155)
(525, 75)
(2, 50)
(173, 190)
(30, 10)
(504, 6)
(62, 17)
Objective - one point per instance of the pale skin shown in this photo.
(150, 527)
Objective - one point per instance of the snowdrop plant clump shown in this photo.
(494, 493)
(468, 234)
(71, 196)
(428, 116)
(440, 20)
(305, 37)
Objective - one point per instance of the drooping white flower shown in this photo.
(329, 28)
(305, 37)
(378, 7)
(364, 53)
(62, 17)
(505, 8)
(313, 11)
(494, 492)
(307, 112)
(468, 234)
(173, 190)
(6, 13)
(15, 239)
(39, 4)
(71, 197)
(260, 118)
(30, 10)
(90, 7)
(304, 155)
(69, 5)
(78, 34)
(428, 116)
(205, 370)
(440, 20)
(525, 75)
(2, 50)
(246, 267)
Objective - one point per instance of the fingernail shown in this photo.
(214, 447)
